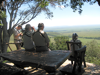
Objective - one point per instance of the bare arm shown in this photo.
(34, 28)
(18, 35)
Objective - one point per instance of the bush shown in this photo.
(93, 52)
(59, 43)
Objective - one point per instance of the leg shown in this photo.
(18, 46)
(84, 62)
(74, 67)
(80, 65)
(71, 62)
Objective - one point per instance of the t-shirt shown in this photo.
(40, 38)
(27, 40)
(76, 46)
(16, 32)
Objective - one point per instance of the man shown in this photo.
(17, 37)
(27, 38)
(74, 39)
(41, 39)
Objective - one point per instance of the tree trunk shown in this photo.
(6, 36)
(0, 39)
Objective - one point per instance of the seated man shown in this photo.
(27, 38)
(41, 39)
(74, 39)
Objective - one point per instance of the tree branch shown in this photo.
(15, 15)
(11, 16)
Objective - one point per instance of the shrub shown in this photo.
(59, 43)
(93, 52)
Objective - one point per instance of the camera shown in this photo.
(32, 28)
(20, 35)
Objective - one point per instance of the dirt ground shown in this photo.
(90, 69)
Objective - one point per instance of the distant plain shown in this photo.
(85, 33)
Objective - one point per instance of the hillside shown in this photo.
(85, 33)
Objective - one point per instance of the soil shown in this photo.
(91, 69)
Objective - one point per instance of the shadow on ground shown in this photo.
(91, 69)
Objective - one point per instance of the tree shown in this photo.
(19, 16)
(59, 43)
(93, 52)
(2, 15)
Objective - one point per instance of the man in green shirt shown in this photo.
(41, 39)
(27, 38)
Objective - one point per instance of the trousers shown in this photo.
(41, 48)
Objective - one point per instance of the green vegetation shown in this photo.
(59, 43)
(89, 36)
(85, 33)
(93, 52)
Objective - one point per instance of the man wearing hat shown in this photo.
(17, 37)
(41, 39)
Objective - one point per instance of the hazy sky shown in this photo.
(66, 16)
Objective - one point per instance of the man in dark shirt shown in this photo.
(41, 39)
(27, 38)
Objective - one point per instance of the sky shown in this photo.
(66, 16)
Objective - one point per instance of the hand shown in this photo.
(33, 27)
(21, 34)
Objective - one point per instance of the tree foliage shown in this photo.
(59, 43)
(76, 5)
(92, 48)
(93, 52)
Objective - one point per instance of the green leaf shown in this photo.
(3, 14)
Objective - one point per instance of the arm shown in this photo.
(48, 44)
(34, 29)
(47, 39)
(16, 34)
